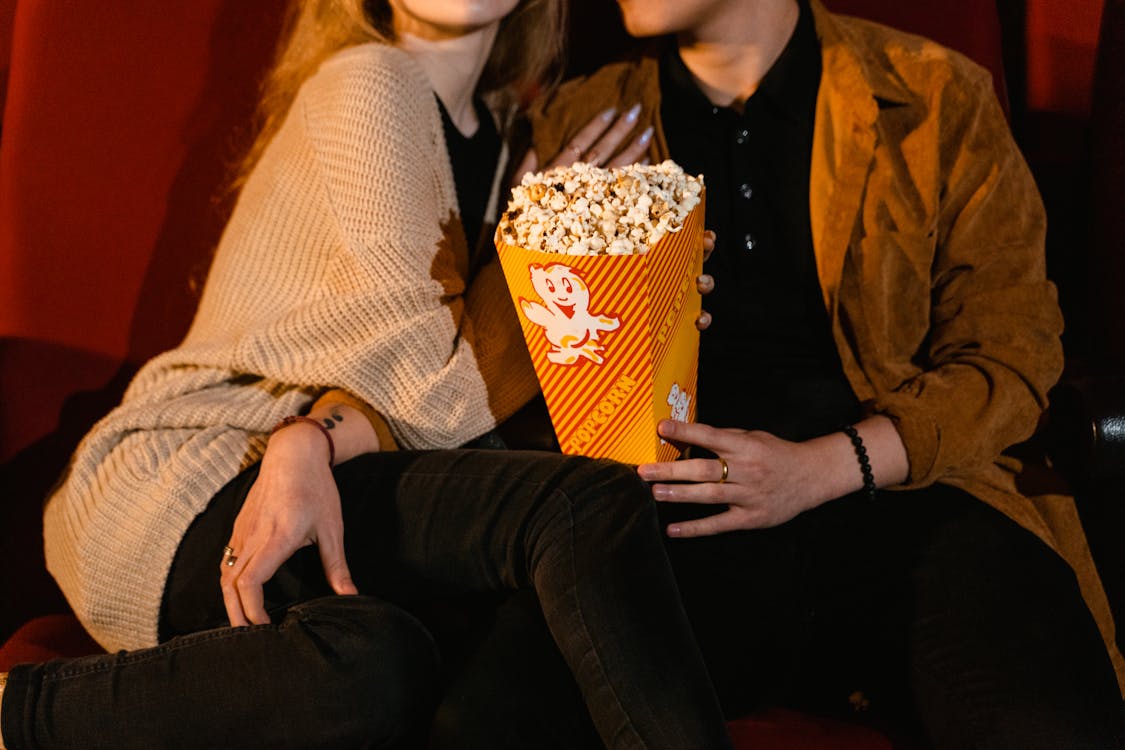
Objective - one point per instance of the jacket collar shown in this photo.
(839, 42)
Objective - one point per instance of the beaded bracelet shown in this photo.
(861, 456)
(324, 431)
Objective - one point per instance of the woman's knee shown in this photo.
(607, 489)
(372, 667)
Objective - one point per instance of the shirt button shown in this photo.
(746, 191)
(742, 137)
(749, 242)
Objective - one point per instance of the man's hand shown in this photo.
(768, 480)
(766, 483)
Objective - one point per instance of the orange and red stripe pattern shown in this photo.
(610, 409)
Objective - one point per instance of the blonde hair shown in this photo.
(526, 56)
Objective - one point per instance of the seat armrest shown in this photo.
(1086, 429)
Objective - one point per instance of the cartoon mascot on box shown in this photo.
(565, 316)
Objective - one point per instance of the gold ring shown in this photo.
(228, 551)
(726, 470)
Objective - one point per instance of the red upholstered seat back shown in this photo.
(119, 123)
(7, 17)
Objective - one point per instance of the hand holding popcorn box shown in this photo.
(601, 265)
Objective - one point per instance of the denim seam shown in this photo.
(129, 659)
(582, 620)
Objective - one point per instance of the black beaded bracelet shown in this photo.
(861, 456)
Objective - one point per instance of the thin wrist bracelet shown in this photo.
(323, 430)
(861, 456)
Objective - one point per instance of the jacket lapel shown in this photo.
(843, 147)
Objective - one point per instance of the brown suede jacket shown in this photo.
(929, 239)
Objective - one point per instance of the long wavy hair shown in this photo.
(526, 56)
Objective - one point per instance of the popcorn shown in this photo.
(586, 210)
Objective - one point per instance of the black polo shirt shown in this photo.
(768, 360)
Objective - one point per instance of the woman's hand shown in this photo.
(600, 142)
(767, 481)
(293, 503)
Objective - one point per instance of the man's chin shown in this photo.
(640, 19)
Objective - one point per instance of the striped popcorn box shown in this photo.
(613, 340)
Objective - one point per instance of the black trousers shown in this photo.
(940, 618)
(352, 672)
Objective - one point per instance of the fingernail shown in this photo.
(704, 319)
(633, 113)
(661, 492)
(608, 114)
(675, 530)
(645, 136)
(643, 472)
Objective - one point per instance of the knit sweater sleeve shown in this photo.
(335, 271)
(397, 279)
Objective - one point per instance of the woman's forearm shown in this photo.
(349, 429)
(338, 397)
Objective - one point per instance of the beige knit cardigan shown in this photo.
(343, 266)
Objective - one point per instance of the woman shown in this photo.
(337, 321)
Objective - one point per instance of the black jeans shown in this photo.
(357, 671)
(940, 618)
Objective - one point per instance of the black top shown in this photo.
(768, 360)
(474, 162)
(474, 167)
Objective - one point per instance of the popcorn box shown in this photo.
(613, 340)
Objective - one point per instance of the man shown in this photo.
(881, 320)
